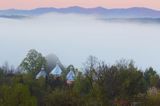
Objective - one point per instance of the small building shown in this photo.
(42, 73)
(56, 71)
(70, 77)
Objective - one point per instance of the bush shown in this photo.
(63, 97)
(16, 95)
(153, 100)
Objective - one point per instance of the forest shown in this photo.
(97, 84)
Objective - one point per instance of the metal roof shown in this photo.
(70, 76)
(42, 73)
(56, 71)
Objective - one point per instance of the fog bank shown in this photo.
(74, 37)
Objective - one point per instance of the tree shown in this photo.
(7, 68)
(52, 60)
(65, 97)
(2, 75)
(151, 77)
(16, 95)
(121, 81)
(33, 62)
(91, 63)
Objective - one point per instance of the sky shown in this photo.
(30, 4)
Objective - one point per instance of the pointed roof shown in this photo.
(70, 76)
(56, 71)
(42, 73)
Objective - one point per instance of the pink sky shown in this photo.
(29, 4)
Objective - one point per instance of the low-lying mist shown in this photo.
(74, 37)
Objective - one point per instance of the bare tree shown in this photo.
(91, 63)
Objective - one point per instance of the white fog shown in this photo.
(74, 37)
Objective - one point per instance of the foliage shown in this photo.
(151, 77)
(33, 62)
(97, 85)
(153, 100)
(65, 97)
(16, 95)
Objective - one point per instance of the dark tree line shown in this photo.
(121, 84)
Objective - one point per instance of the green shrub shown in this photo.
(16, 95)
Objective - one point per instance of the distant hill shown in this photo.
(135, 12)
